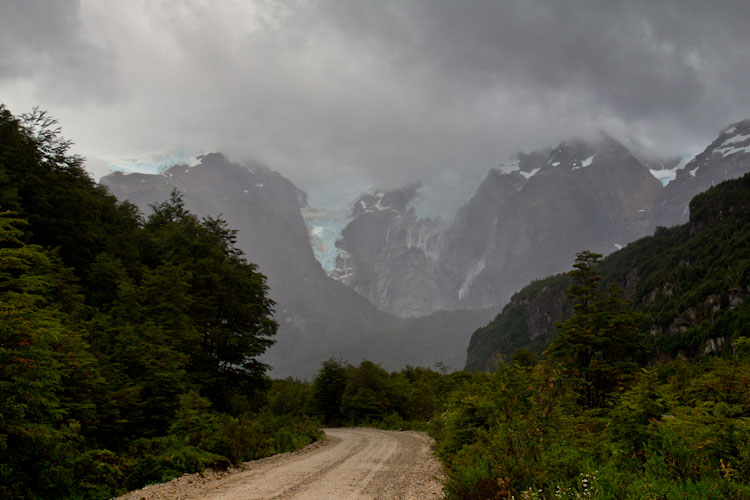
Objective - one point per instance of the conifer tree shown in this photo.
(600, 344)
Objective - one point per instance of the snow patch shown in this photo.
(664, 176)
(529, 175)
(724, 152)
(619, 247)
(728, 147)
(473, 273)
(736, 139)
(681, 164)
(556, 164)
(667, 175)
(587, 161)
(508, 168)
(378, 204)
(693, 171)
(260, 184)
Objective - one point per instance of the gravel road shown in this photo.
(352, 464)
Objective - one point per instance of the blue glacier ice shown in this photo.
(153, 163)
(326, 215)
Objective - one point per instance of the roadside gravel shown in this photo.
(353, 463)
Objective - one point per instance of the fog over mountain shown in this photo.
(318, 316)
(423, 156)
(527, 220)
(383, 94)
(341, 279)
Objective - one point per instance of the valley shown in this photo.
(397, 272)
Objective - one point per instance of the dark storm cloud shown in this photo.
(42, 40)
(635, 58)
(390, 91)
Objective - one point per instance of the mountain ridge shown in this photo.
(692, 282)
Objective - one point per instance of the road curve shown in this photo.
(354, 464)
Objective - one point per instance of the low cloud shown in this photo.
(382, 92)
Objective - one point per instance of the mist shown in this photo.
(335, 94)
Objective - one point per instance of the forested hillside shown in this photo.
(129, 349)
(691, 282)
(128, 343)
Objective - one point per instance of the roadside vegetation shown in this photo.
(595, 417)
(130, 344)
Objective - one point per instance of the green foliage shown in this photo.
(328, 391)
(672, 430)
(676, 430)
(600, 344)
(128, 345)
(129, 354)
(690, 283)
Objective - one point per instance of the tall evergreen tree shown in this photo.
(600, 344)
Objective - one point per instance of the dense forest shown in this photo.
(603, 414)
(129, 349)
(128, 343)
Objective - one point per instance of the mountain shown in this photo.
(389, 255)
(265, 209)
(319, 317)
(725, 158)
(526, 220)
(583, 194)
(691, 282)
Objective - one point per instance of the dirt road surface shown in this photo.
(353, 464)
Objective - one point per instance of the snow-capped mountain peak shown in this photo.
(735, 139)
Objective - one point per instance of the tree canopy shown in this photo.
(110, 318)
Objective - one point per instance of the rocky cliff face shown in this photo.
(314, 312)
(527, 321)
(318, 317)
(593, 195)
(390, 256)
(526, 220)
(725, 158)
(691, 282)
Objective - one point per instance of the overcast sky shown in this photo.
(386, 91)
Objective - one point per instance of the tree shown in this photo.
(328, 390)
(229, 303)
(40, 358)
(600, 344)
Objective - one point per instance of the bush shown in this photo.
(161, 459)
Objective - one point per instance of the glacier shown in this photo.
(153, 163)
(327, 213)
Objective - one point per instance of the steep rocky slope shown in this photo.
(319, 317)
(725, 158)
(525, 221)
(389, 255)
(692, 282)
(265, 209)
(593, 195)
